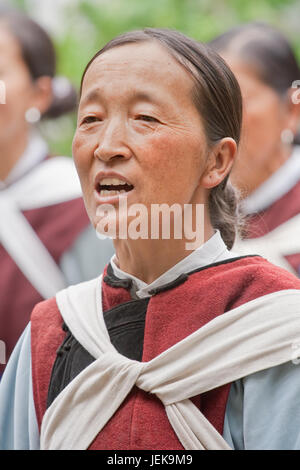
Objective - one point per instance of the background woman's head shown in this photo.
(213, 94)
(266, 67)
(28, 67)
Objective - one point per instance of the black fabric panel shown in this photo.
(125, 325)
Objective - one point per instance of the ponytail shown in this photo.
(224, 211)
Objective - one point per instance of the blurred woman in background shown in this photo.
(46, 240)
(267, 171)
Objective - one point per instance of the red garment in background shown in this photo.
(279, 212)
(58, 226)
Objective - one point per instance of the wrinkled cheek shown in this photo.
(163, 155)
(77, 146)
(165, 183)
(168, 167)
(88, 198)
(81, 152)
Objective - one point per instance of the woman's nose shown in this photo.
(113, 142)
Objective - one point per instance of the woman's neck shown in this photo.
(255, 178)
(11, 151)
(149, 259)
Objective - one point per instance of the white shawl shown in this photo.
(247, 339)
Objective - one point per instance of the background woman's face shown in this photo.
(19, 86)
(264, 117)
(137, 122)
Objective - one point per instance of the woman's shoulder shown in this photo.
(260, 269)
(47, 309)
(244, 278)
(254, 276)
(46, 326)
(255, 268)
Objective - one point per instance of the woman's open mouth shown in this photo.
(113, 187)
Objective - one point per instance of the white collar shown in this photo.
(279, 184)
(212, 251)
(35, 152)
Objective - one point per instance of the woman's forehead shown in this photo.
(145, 62)
(9, 46)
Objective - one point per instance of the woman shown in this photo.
(268, 169)
(158, 123)
(44, 231)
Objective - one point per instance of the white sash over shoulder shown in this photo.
(258, 335)
(51, 182)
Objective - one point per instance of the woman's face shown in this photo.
(18, 84)
(264, 118)
(137, 125)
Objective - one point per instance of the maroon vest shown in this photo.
(141, 421)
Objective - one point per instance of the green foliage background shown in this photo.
(89, 24)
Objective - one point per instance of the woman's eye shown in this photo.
(144, 117)
(89, 120)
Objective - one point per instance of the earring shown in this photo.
(33, 115)
(287, 137)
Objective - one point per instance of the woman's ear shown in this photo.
(292, 111)
(42, 94)
(219, 162)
